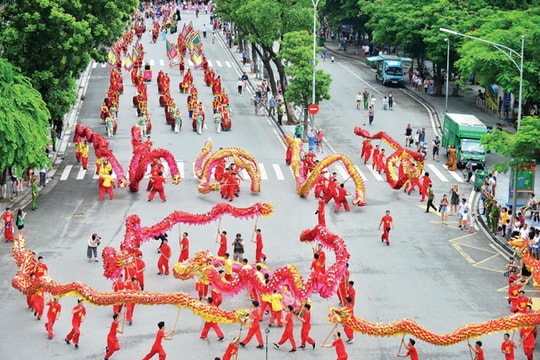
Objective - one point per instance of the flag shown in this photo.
(112, 58)
(195, 40)
(187, 30)
(128, 62)
(196, 56)
(171, 50)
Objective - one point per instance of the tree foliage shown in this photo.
(516, 147)
(52, 41)
(24, 120)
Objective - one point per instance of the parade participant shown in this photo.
(477, 350)
(309, 162)
(202, 287)
(78, 145)
(376, 153)
(163, 262)
(140, 267)
(7, 224)
(158, 187)
(343, 286)
(79, 315)
(228, 267)
(349, 308)
(528, 338)
(321, 220)
(331, 190)
(379, 165)
(38, 303)
(288, 331)
(184, 248)
(215, 294)
(199, 120)
(157, 348)
(411, 350)
(522, 302)
(339, 345)
(320, 184)
(367, 151)
(155, 168)
(317, 271)
(107, 183)
(266, 301)
(84, 155)
(211, 325)
(426, 180)
(507, 347)
(259, 255)
(277, 308)
(35, 193)
(238, 248)
(388, 224)
(305, 317)
(53, 314)
(351, 293)
(255, 329)
(217, 121)
(220, 169)
(222, 241)
(132, 285)
(41, 268)
(112, 340)
(231, 353)
(322, 257)
(341, 199)
(117, 286)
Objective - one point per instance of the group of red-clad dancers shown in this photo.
(228, 178)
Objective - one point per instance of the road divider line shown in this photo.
(66, 172)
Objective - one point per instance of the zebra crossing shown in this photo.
(269, 172)
(164, 62)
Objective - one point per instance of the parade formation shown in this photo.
(274, 294)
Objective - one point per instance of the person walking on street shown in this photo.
(158, 186)
(53, 314)
(238, 248)
(131, 285)
(388, 223)
(371, 114)
(288, 331)
(7, 224)
(157, 348)
(365, 98)
(112, 340)
(507, 347)
(35, 193)
(305, 318)
(222, 241)
(431, 197)
(163, 261)
(477, 350)
(93, 244)
(184, 248)
(454, 200)
(259, 255)
(79, 315)
(443, 209)
(255, 329)
(231, 353)
(436, 144)
(211, 325)
(20, 222)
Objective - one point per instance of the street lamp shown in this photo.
(510, 53)
(315, 4)
(447, 74)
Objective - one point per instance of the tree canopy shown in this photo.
(24, 121)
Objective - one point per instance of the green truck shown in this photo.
(464, 132)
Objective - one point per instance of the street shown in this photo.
(438, 276)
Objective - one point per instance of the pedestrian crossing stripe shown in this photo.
(275, 168)
(218, 64)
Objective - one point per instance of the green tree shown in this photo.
(516, 147)
(491, 66)
(298, 55)
(52, 42)
(24, 120)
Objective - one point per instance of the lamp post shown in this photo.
(447, 74)
(510, 53)
(315, 4)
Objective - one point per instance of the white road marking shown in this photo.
(264, 176)
(161, 62)
(66, 172)
(436, 171)
(228, 64)
(342, 172)
(152, 62)
(218, 63)
(361, 173)
(279, 173)
(81, 173)
(456, 176)
(377, 176)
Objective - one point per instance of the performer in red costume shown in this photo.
(343, 285)
(79, 315)
(288, 331)
(155, 168)
(321, 220)
(231, 353)
(7, 224)
(349, 332)
(255, 329)
(376, 153)
(163, 262)
(112, 340)
(118, 286)
(341, 198)
(158, 187)
(211, 325)
(367, 151)
(141, 267)
(184, 248)
(157, 348)
(222, 241)
(305, 318)
(259, 255)
(426, 180)
(132, 285)
(388, 224)
(339, 345)
(53, 314)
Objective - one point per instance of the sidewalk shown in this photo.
(464, 103)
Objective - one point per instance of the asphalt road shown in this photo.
(438, 276)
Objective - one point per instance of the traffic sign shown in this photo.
(313, 109)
